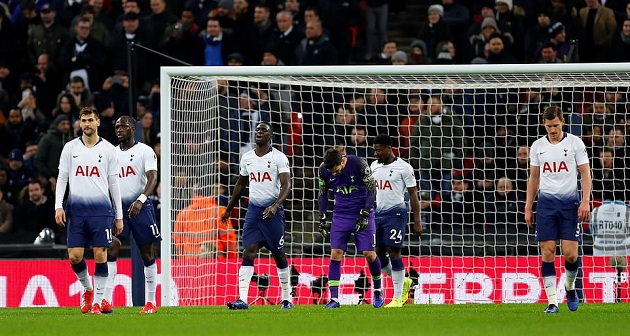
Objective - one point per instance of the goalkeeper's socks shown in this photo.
(387, 268)
(150, 280)
(571, 270)
(244, 277)
(112, 269)
(334, 274)
(100, 281)
(375, 271)
(283, 275)
(80, 269)
(548, 272)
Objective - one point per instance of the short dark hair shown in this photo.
(36, 181)
(332, 158)
(89, 110)
(552, 112)
(130, 120)
(383, 140)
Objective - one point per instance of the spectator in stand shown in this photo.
(35, 213)
(235, 59)
(51, 145)
(445, 53)
(112, 102)
(18, 175)
(518, 168)
(29, 155)
(376, 30)
(6, 211)
(600, 114)
(548, 54)
(358, 144)
(80, 94)
(286, 37)
(484, 171)
(270, 57)
(478, 42)
(497, 51)
(408, 124)
(294, 6)
(339, 17)
(16, 132)
(98, 30)
(216, 45)
(505, 208)
(28, 107)
(609, 180)
(399, 58)
(160, 18)
(257, 35)
(82, 56)
(66, 106)
(620, 46)
(616, 141)
(418, 53)
(147, 132)
(101, 14)
(558, 37)
(594, 140)
(537, 35)
(381, 116)
(565, 14)
(27, 19)
(315, 48)
(510, 20)
(180, 40)
(225, 14)
(345, 120)
(47, 80)
(9, 40)
(461, 208)
(598, 26)
(457, 17)
(435, 30)
(437, 146)
(134, 7)
(48, 37)
(385, 57)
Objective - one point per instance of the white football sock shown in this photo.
(387, 269)
(283, 275)
(84, 278)
(550, 289)
(398, 278)
(150, 282)
(112, 269)
(244, 277)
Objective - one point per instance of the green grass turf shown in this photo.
(512, 319)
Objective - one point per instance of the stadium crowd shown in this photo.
(57, 56)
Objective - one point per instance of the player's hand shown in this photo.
(324, 226)
(362, 221)
(118, 226)
(60, 217)
(584, 211)
(225, 216)
(529, 217)
(417, 228)
(134, 209)
(270, 211)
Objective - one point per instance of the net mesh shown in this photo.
(466, 136)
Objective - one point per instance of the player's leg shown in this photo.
(112, 270)
(145, 233)
(398, 276)
(76, 242)
(570, 236)
(274, 241)
(547, 228)
(147, 252)
(365, 241)
(393, 228)
(100, 230)
(340, 232)
(381, 249)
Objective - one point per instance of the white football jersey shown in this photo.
(134, 163)
(392, 181)
(558, 165)
(610, 224)
(88, 170)
(264, 175)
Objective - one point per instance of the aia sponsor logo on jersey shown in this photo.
(87, 171)
(259, 177)
(555, 167)
(383, 185)
(126, 171)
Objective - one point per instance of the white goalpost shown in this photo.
(465, 129)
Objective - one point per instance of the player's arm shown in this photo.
(322, 203)
(238, 191)
(415, 208)
(285, 189)
(136, 206)
(370, 185)
(114, 190)
(584, 210)
(532, 190)
(62, 184)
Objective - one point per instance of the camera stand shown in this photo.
(362, 299)
(262, 297)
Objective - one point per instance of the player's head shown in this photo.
(89, 121)
(553, 122)
(264, 132)
(383, 148)
(334, 161)
(125, 127)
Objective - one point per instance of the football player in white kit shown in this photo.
(555, 161)
(88, 167)
(138, 177)
(393, 178)
(266, 171)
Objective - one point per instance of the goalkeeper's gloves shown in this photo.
(324, 226)
(362, 221)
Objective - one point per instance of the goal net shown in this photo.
(466, 131)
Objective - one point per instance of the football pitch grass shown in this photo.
(492, 319)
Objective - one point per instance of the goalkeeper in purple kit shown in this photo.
(351, 180)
